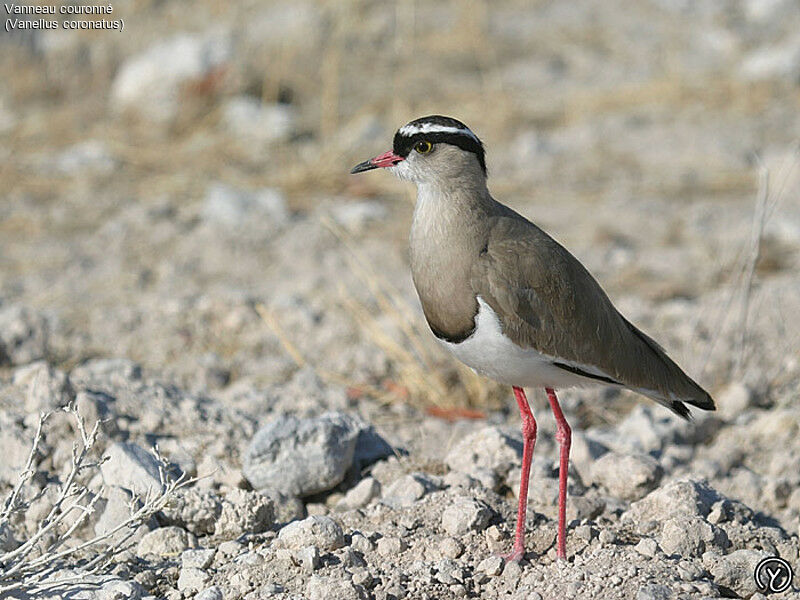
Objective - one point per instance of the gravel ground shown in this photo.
(184, 258)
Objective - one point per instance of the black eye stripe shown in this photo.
(403, 144)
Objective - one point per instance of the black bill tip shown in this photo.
(361, 167)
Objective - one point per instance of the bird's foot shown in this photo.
(516, 554)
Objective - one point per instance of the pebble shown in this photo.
(607, 537)
(450, 547)
(406, 490)
(488, 448)
(166, 541)
(235, 208)
(131, 467)
(301, 457)
(691, 536)
(491, 566)
(212, 593)
(627, 476)
(192, 579)
(46, 388)
(733, 400)
(320, 531)
(24, 335)
(448, 572)
(150, 83)
(654, 592)
(308, 558)
(391, 546)
(465, 514)
(735, 570)
(244, 512)
(678, 498)
(330, 588)
(362, 494)
(647, 547)
(198, 559)
(361, 543)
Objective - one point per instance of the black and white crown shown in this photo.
(438, 129)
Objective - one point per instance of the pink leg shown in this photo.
(564, 439)
(529, 441)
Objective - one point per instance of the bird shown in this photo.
(513, 304)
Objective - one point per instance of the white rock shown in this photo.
(47, 388)
(192, 579)
(679, 498)
(131, 467)
(776, 61)
(212, 593)
(330, 588)
(150, 83)
(362, 494)
(690, 536)
(244, 512)
(391, 546)
(465, 514)
(733, 400)
(322, 532)
(23, 335)
(166, 541)
(198, 559)
(627, 476)
(89, 155)
(248, 118)
(406, 490)
(735, 570)
(487, 448)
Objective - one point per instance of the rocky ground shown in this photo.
(184, 258)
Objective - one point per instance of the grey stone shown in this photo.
(149, 84)
(323, 532)
(735, 570)
(391, 546)
(244, 512)
(359, 496)
(115, 508)
(15, 447)
(647, 547)
(166, 541)
(192, 579)
(450, 547)
(465, 514)
(684, 497)
(654, 591)
(734, 399)
(194, 511)
(407, 490)
(627, 476)
(104, 373)
(448, 572)
(300, 457)
(691, 536)
(491, 566)
(7, 540)
(287, 508)
(487, 448)
(198, 559)
(132, 467)
(308, 558)
(88, 155)
(779, 61)
(24, 335)
(584, 452)
(361, 543)
(330, 588)
(212, 593)
(246, 117)
(46, 388)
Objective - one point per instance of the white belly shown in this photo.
(490, 353)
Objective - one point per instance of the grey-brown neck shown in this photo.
(449, 230)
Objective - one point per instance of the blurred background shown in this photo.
(177, 192)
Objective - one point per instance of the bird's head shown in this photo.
(432, 150)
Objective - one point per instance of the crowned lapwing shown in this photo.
(510, 302)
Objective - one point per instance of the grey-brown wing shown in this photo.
(553, 305)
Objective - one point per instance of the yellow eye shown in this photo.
(423, 147)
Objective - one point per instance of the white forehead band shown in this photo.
(409, 130)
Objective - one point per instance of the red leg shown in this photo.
(564, 439)
(529, 441)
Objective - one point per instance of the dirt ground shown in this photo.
(184, 255)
